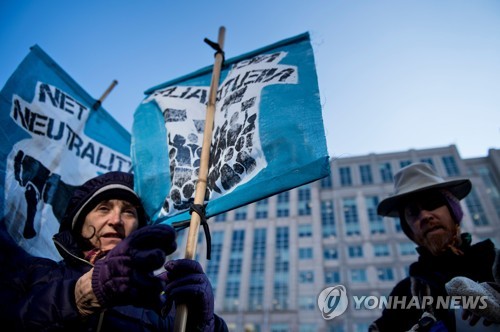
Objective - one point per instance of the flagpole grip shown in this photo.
(201, 184)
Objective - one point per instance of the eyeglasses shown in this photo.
(428, 202)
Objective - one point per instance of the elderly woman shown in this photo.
(106, 280)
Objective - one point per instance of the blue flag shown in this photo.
(51, 141)
(268, 134)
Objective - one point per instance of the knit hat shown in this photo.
(416, 179)
(111, 185)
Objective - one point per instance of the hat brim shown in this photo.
(390, 206)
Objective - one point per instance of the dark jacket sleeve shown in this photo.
(397, 319)
(32, 291)
(45, 297)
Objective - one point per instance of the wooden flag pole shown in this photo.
(201, 184)
(104, 95)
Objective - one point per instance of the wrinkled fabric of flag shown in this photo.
(268, 134)
(51, 141)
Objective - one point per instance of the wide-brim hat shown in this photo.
(417, 178)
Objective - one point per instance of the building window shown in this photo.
(385, 274)
(212, 269)
(450, 166)
(330, 253)
(407, 249)
(257, 269)
(307, 303)
(232, 294)
(332, 277)
(376, 222)
(221, 217)
(261, 208)
(281, 269)
(491, 188)
(381, 250)
(235, 265)
(366, 174)
(231, 300)
(476, 209)
(279, 327)
(345, 176)
(305, 200)
(406, 271)
(397, 224)
(404, 163)
(305, 253)
(386, 172)
(351, 217)
(326, 182)
(328, 219)
(358, 275)
(336, 327)
(283, 202)
(254, 327)
(241, 213)
(306, 277)
(355, 251)
(361, 327)
(305, 230)
(427, 161)
(308, 327)
(237, 244)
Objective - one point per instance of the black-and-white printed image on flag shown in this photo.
(51, 141)
(268, 134)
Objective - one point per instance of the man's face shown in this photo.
(110, 222)
(430, 221)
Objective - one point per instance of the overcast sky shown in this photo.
(393, 75)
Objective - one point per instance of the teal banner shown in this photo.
(52, 140)
(268, 133)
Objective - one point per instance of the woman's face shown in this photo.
(110, 222)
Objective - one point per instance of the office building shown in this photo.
(271, 259)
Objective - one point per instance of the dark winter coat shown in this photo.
(39, 295)
(435, 271)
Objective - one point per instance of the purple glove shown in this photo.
(188, 284)
(125, 275)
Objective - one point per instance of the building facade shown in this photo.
(272, 258)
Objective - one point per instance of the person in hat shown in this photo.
(113, 276)
(430, 215)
